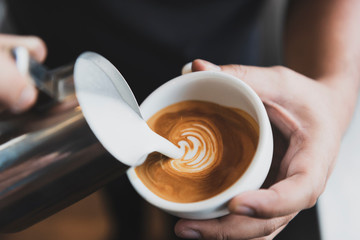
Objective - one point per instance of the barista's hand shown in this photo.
(16, 92)
(309, 114)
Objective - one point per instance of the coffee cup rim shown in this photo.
(265, 142)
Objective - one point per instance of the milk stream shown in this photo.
(136, 139)
(152, 142)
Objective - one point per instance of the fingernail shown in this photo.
(190, 233)
(26, 97)
(186, 68)
(243, 210)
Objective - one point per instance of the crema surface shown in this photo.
(218, 144)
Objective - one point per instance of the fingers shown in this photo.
(34, 45)
(262, 80)
(270, 83)
(231, 227)
(202, 65)
(300, 188)
(274, 85)
(16, 91)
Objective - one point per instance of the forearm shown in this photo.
(322, 42)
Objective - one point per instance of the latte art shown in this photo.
(200, 146)
(218, 145)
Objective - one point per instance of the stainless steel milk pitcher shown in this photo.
(49, 158)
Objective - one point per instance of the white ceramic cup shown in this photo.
(225, 90)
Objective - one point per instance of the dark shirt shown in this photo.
(147, 40)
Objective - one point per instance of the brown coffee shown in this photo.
(218, 142)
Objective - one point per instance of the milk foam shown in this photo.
(199, 149)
